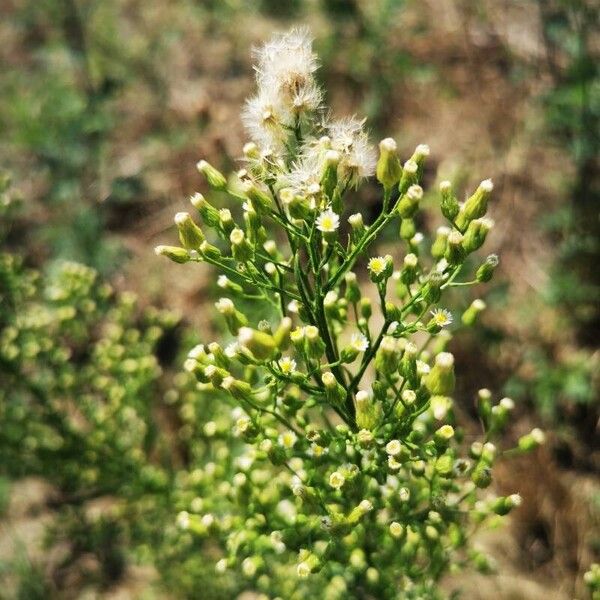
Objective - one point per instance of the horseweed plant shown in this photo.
(351, 478)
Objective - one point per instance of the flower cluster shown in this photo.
(351, 477)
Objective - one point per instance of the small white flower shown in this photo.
(441, 317)
(336, 480)
(287, 439)
(366, 506)
(396, 529)
(317, 451)
(377, 264)
(393, 463)
(359, 342)
(183, 520)
(393, 447)
(287, 365)
(328, 221)
(303, 569)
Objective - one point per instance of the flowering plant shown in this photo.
(350, 471)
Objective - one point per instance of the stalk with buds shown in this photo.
(351, 478)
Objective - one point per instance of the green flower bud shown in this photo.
(476, 206)
(352, 288)
(389, 170)
(334, 391)
(215, 178)
(210, 251)
(470, 315)
(532, 440)
(233, 317)
(409, 272)
(486, 271)
(262, 345)
(315, 347)
(438, 248)
(368, 411)
(476, 233)
(408, 229)
(259, 199)
(484, 406)
(174, 253)
(409, 176)
(449, 204)
(387, 356)
(432, 290)
(455, 253)
(408, 365)
(358, 227)
(282, 334)
(409, 203)
(443, 435)
(502, 506)
(297, 206)
(226, 221)
(240, 390)
(240, 248)
(441, 380)
(190, 235)
(208, 213)
(482, 475)
(366, 308)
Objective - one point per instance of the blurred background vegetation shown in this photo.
(106, 106)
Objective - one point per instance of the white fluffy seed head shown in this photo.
(445, 186)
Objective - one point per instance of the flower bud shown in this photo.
(233, 317)
(486, 270)
(315, 347)
(409, 203)
(240, 248)
(190, 235)
(368, 411)
(455, 253)
(334, 391)
(502, 506)
(409, 176)
(210, 251)
(387, 356)
(388, 169)
(358, 227)
(226, 221)
(476, 233)
(470, 315)
(476, 206)
(449, 204)
(240, 390)
(432, 290)
(484, 406)
(408, 365)
(261, 344)
(441, 380)
(208, 213)
(366, 308)
(409, 272)
(259, 199)
(352, 288)
(214, 177)
(176, 254)
(408, 229)
(438, 248)
(482, 475)
(532, 440)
